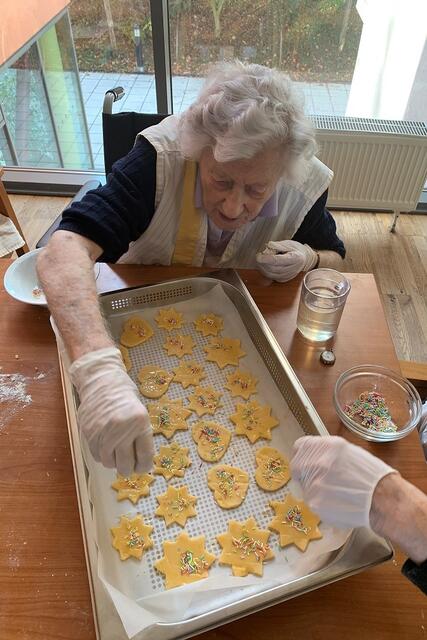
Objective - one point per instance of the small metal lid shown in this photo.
(328, 358)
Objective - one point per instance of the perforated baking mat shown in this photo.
(136, 587)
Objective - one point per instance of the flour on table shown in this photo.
(13, 396)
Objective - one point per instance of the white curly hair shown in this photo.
(243, 109)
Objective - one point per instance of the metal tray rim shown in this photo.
(339, 567)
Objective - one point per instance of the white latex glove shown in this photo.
(282, 261)
(338, 478)
(111, 416)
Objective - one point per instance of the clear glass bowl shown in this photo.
(401, 399)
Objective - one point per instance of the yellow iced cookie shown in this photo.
(229, 485)
(209, 324)
(169, 319)
(295, 523)
(254, 421)
(185, 560)
(176, 505)
(272, 470)
(154, 381)
(245, 547)
(136, 330)
(224, 351)
(178, 345)
(189, 372)
(172, 460)
(212, 440)
(167, 416)
(131, 537)
(125, 357)
(204, 400)
(134, 487)
(241, 384)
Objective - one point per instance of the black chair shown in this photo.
(119, 131)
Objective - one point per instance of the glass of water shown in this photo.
(323, 296)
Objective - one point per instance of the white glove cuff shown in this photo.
(311, 259)
(91, 364)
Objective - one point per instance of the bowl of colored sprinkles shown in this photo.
(376, 403)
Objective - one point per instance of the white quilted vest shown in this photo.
(156, 244)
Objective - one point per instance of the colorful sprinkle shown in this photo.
(247, 545)
(372, 412)
(294, 518)
(191, 564)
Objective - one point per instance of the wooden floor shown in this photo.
(398, 261)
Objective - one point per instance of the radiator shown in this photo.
(377, 164)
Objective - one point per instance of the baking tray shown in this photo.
(362, 550)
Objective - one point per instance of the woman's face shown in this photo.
(235, 192)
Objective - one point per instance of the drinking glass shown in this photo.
(323, 296)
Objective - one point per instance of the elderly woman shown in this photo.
(232, 182)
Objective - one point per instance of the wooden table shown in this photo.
(44, 589)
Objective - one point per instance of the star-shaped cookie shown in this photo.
(208, 324)
(224, 351)
(154, 380)
(186, 560)
(172, 460)
(241, 383)
(212, 440)
(254, 421)
(176, 505)
(295, 522)
(136, 330)
(229, 485)
(245, 547)
(125, 357)
(134, 487)
(189, 372)
(167, 416)
(132, 537)
(178, 345)
(272, 470)
(204, 400)
(169, 319)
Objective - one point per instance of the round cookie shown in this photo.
(154, 381)
(212, 440)
(229, 485)
(125, 357)
(272, 470)
(135, 331)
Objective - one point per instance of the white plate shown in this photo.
(21, 282)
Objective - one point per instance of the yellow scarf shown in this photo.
(189, 219)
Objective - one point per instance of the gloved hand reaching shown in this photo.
(282, 261)
(338, 478)
(111, 416)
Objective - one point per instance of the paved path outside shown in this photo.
(140, 95)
